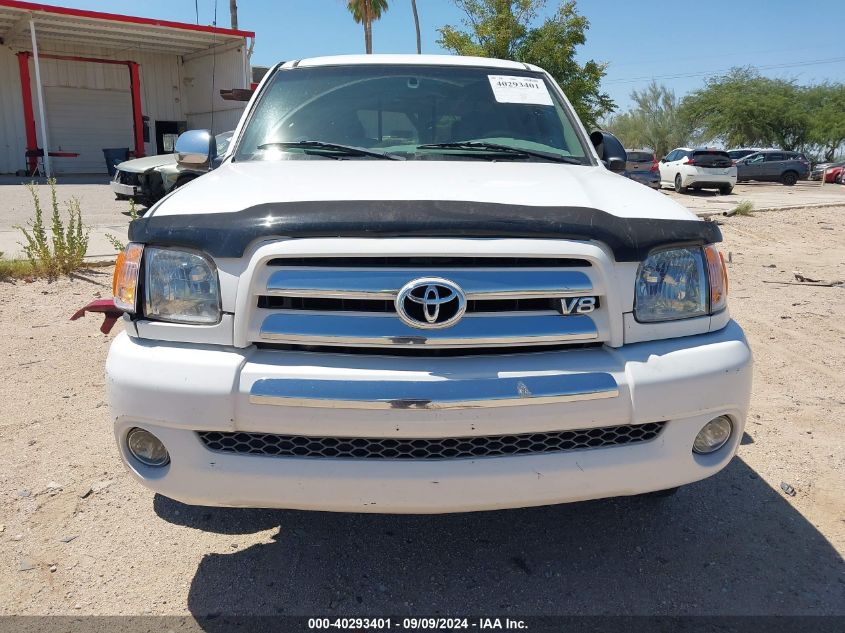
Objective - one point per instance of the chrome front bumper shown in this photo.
(442, 394)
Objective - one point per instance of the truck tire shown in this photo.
(789, 178)
(678, 186)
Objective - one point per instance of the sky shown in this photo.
(678, 44)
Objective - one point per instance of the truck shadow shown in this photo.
(727, 545)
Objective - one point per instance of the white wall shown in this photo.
(170, 89)
(204, 77)
(12, 136)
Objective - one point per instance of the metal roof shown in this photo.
(109, 30)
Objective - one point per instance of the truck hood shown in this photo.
(237, 186)
(140, 165)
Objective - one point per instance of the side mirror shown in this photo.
(195, 148)
(610, 150)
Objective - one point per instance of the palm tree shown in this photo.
(366, 12)
(233, 13)
(417, 25)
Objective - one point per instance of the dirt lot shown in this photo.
(763, 195)
(78, 536)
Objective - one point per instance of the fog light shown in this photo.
(713, 435)
(146, 448)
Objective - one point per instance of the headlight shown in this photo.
(180, 286)
(680, 283)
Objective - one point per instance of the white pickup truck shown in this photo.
(416, 285)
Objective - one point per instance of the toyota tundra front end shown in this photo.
(415, 285)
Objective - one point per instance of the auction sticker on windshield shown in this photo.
(508, 89)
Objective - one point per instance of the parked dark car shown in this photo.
(642, 167)
(773, 166)
(742, 152)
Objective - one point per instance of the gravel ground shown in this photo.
(78, 536)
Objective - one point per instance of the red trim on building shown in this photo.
(137, 118)
(126, 19)
(29, 115)
(28, 112)
(77, 58)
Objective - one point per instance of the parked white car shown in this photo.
(686, 168)
(416, 285)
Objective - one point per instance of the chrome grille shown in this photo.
(428, 448)
(349, 302)
(437, 261)
(322, 304)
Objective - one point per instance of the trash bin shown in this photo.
(115, 155)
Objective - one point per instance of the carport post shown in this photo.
(137, 117)
(28, 114)
(44, 139)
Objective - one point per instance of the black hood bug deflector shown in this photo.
(228, 234)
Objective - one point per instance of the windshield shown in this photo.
(393, 110)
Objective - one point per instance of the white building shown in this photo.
(109, 81)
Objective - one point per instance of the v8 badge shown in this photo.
(578, 305)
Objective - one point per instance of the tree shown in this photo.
(653, 122)
(825, 104)
(417, 25)
(366, 12)
(508, 29)
(742, 108)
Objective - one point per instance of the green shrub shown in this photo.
(115, 242)
(744, 208)
(113, 239)
(11, 269)
(64, 250)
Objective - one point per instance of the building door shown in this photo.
(85, 121)
(166, 134)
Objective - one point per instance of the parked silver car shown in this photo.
(742, 152)
(147, 180)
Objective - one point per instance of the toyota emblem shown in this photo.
(431, 303)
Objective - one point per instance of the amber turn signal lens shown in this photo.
(126, 271)
(718, 274)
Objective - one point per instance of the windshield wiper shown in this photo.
(496, 147)
(348, 150)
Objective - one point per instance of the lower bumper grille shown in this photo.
(428, 448)
(127, 178)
